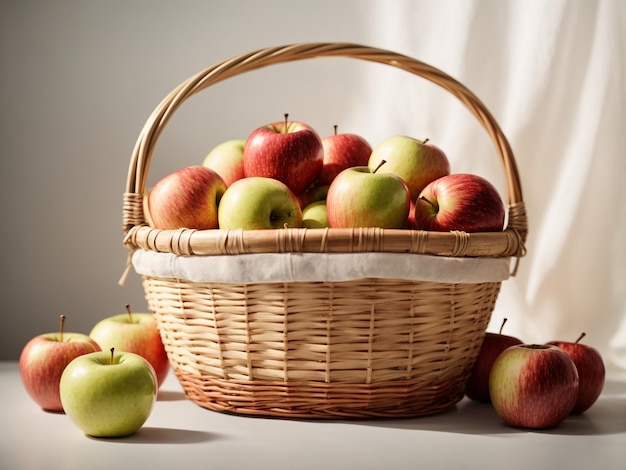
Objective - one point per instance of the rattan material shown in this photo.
(358, 348)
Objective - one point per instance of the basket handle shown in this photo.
(133, 214)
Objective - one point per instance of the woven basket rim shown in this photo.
(138, 233)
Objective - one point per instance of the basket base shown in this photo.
(319, 400)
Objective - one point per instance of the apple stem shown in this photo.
(62, 321)
(504, 320)
(382, 162)
(582, 335)
(335, 129)
(423, 198)
(112, 353)
(286, 120)
(130, 315)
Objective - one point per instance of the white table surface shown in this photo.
(180, 434)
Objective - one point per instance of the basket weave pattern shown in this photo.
(359, 348)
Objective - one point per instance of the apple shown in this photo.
(342, 151)
(108, 393)
(186, 198)
(417, 162)
(288, 151)
(313, 194)
(591, 372)
(43, 360)
(533, 386)
(315, 215)
(477, 386)
(256, 202)
(460, 201)
(136, 333)
(226, 159)
(361, 197)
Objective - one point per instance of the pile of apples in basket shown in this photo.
(285, 175)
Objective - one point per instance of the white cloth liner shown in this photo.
(334, 267)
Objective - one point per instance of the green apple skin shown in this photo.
(315, 215)
(416, 162)
(135, 333)
(226, 159)
(313, 194)
(358, 197)
(256, 203)
(43, 360)
(533, 386)
(108, 396)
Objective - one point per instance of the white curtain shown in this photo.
(553, 74)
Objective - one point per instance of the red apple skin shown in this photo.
(477, 386)
(135, 334)
(288, 151)
(533, 386)
(186, 198)
(591, 372)
(342, 151)
(42, 361)
(460, 201)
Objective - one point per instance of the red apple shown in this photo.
(186, 198)
(533, 386)
(591, 372)
(288, 151)
(43, 360)
(477, 386)
(462, 202)
(342, 151)
(135, 333)
(417, 162)
(360, 197)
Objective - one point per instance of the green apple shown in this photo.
(257, 202)
(315, 215)
(361, 197)
(108, 393)
(226, 159)
(136, 333)
(416, 161)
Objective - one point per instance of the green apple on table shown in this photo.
(362, 197)
(257, 202)
(136, 333)
(108, 393)
(226, 159)
(417, 162)
(43, 360)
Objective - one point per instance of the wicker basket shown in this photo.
(317, 348)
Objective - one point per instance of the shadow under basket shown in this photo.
(321, 323)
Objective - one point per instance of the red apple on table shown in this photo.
(342, 151)
(256, 203)
(460, 201)
(591, 372)
(43, 360)
(477, 386)
(417, 162)
(186, 198)
(135, 333)
(533, 386)
(361, 197)
(288, 151)
(226, 159)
